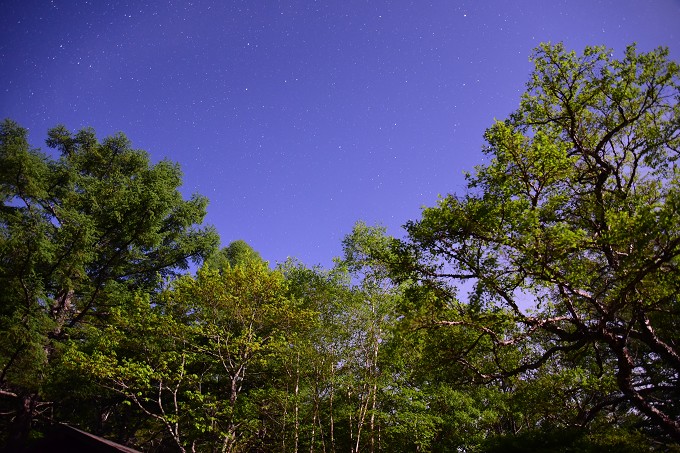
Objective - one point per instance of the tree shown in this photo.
(336, 381)
(571, 233)
(142, 360)
(315, 371)
(78, 235)
(244, 323)
(369, 317)
(237, 252)
(207, 363)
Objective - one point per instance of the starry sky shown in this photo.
(299, 118)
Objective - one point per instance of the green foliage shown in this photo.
(76, 235)
(605, 439)
(567, 242)
(205, 360)
(237, 252)
(539, 312)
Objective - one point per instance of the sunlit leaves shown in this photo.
(571, 230)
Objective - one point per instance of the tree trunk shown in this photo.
(22, 423)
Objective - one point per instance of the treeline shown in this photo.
(540, 311)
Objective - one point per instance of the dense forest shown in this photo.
(538, 311)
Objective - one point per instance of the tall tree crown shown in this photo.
(78, 236)
(576, 216)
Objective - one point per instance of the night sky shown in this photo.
(299, 118)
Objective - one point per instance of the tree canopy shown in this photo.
(237, 252)
(79, 234)
(537, 311)
(570, 233)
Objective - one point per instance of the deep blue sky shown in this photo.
(299, 118)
